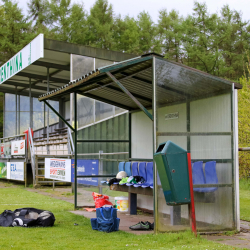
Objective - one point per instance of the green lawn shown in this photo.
(64, 235)
(245, 200)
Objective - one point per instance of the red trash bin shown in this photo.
(27, 133)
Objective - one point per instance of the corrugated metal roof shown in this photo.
(175, 83)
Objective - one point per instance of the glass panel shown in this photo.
(24, 103)
(37, 106)
(85, 111)
(24, 121)
(38, 120)
(9, 124)
(103, 110)
(67, 110)
(194, 112)
(81, 65)
(10, 102)
(101, 63)
(119, 110)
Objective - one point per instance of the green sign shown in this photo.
(29, 54)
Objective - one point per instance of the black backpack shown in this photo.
(27, 217)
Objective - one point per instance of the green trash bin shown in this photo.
(172, 165)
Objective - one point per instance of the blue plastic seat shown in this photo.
(149, 170)
(127, 170)
(142, 172)
(198, 175)
(210, 176)
(134, 172)
(121, 167)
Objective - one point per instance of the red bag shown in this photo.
(101, 200)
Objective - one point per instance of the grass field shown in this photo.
(64, 235)
(245, 199)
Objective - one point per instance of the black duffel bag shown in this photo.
(27, 217)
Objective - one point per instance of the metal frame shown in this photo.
(153, 117)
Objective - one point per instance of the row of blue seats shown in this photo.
(145, 170)
(210, 176)
(142, 169)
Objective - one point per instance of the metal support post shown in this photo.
(130, 95)
(100, 170)
(48, 151)
(19, 115)
(155, 190)
(59, 115)
(31, 105)
(44, 118)
(61, 112)
(4, 116)
(16, 109)
(75, 128)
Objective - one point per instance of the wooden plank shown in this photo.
(131, 189)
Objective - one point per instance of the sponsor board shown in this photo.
(18, 147)
(58, 169)
(2, 150)
(29, 54)
(15, 171)
(86, 167)
(172, 116)
(3, 169)
(6, 150)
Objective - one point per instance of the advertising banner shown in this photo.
(18, 147)
(7, 150)
(2, 150)
(29, 54)
(58, 169)
(86, 167)
(15, 171)
(3, 169)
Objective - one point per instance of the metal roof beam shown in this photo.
(106, 101)
(130, 95)
(134, 94)
(78, 49)
(52, 65)
(149, 82)
(25, 85)
(34, 76)
(13, 91)
(120, 79)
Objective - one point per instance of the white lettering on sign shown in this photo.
(172, 116)
(29, 54)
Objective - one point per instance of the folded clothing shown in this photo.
(114, 180)
(123, 180)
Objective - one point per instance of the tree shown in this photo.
(147, 33)
(234, 42)
(170, 34)
(100, 25)
(77, 22)
(126, 35)
(38, 13)
(15, 30)
(201, 40)
(59, 13)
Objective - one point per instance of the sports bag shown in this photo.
(106, 220)
(27, 217)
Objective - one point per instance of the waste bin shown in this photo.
(172, 165)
